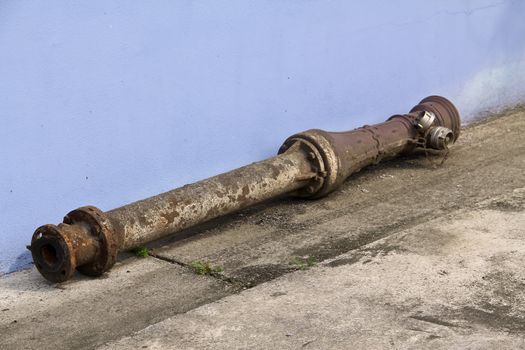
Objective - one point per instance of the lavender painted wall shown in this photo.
(106, 102)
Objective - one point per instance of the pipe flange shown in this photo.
(53, 252)
(316, 181)
(326, 160)
(101, 230)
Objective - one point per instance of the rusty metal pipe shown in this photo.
(310, 164)
(161, 215)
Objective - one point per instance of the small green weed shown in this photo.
(303, 263)
(205, 268)
(141, 252)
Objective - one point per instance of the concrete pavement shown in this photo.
(456, 282)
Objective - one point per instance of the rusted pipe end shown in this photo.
(336, 155)
(84, 241)
(446, 113)
(53, 252)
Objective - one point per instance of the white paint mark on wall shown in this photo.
(493, 89)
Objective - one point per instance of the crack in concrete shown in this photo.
(238, 284)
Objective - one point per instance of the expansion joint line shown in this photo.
(230, 280)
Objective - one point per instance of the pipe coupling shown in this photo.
(325, 161)
(320, 169)
(439, 137)
(424, 121)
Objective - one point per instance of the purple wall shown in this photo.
(106, 102)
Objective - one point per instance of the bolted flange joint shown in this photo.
(323, 159)
(84, 241)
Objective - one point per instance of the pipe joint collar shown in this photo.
(324, 159)
(101, 231)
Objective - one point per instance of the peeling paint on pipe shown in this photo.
(310, 164)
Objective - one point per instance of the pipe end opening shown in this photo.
(52, 255)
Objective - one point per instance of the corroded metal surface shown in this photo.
(158, 216)
(310, 164)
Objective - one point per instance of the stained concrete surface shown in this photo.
(409, 254)
(35, 314)
(455, 282)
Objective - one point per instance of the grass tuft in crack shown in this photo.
(141, 252)
(205, 268)
(303, 262)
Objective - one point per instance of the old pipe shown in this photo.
(310, 164)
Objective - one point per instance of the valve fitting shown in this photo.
(439, 137)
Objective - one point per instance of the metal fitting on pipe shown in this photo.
(309, 164)
(439, 137)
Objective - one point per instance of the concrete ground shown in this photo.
(408, 254)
